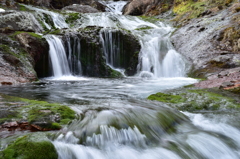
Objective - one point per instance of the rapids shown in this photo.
(114, 119)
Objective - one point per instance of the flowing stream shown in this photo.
(115, 121)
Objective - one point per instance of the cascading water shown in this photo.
(74, 52)
(157, 56)
(58, 57)
(113, 120)
(57, 19)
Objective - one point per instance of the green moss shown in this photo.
(30, 33)
(36, 110)
(25, 148)
(144, 28)
(150, 19)
(167, 98)
(23, 8)
(115, 74)
(56, 32)
(198, 100)
(189, 9)
(72, 17)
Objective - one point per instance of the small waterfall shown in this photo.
(114, 7)
(74, 52)
(111, 47)
(58, 56)
(48, 17)
(158, 55)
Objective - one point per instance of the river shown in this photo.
(116, 121)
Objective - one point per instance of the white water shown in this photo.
(2, 10)
(114, 7)
(57, 19)
(74, 52)
(108, 106)
(58, 56)
(157, 56)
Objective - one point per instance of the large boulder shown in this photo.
(58, 4)
(147, 7)
(211, 41)
(81, 8)
(18, 21)
(37, 47)
(21, 55)
(92, 55)
(15, 66)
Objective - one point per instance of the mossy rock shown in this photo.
(25, 148)
(166, 98)
(195, 100)
(38, 112)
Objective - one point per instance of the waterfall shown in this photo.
(58, 56)
(74, 51)
(110, 47)
(114, 7)
(157, 57)
(48, 17)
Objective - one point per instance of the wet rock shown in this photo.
(15, 66)
(81, 8)
(18, 21)
(92, 57)
(147, 7)
(23, 57)
(38, 48)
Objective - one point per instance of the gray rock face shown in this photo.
(208, 43)
(19, 21)
(15, 66)
(81, 8)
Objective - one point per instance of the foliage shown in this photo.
(25, 148)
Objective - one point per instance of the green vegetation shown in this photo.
(189, 9)
(38, 110)
(25, 148)
(167, 98)
(72, 17)
(23, 8)
(30, 33)
(115, 74)
(55, 32)
(149, 19)
(197, 100)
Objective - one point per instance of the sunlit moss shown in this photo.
(25, 148)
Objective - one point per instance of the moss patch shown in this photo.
(195, 100)
(150, 19)
(166, 98)
(35, 110)
(30, 33)
(189, 9)
(72, 17)
(25, 148)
